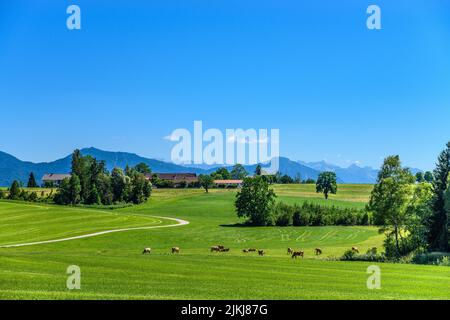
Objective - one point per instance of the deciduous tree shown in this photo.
(206, 181)
(326, 183)
(255, 201)
(238, 172)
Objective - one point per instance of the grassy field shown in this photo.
(26, 222)
(349, 195)
(113, 267)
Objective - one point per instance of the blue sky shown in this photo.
(139, 69)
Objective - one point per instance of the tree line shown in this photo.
(91, 183)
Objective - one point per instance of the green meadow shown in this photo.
(113, 266)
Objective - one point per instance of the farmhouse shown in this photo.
(54, 178)
(175, 178)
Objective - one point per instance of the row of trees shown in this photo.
(15, 192)
(238, 172)
(256, 201)
(90, 183)
(414, 217)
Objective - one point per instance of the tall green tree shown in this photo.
(438, 223)
(222, 173)
(327, 183)
(139, 188)
(31, 181)
(118, 185)
(419, 177)
(81, 168)
(428, 176)
(69, 192)
(94, 196)
(206, 181)
(255, 201)
(14, 190)
(104, 188)
(238, 172)
(74, 189)
(447, 200)
(389, 201)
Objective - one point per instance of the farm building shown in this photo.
(176, 178)
(54, 178)
(228, 183)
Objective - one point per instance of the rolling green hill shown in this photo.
(113, 266)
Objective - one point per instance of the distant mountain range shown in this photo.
(351, 174)
(12, 168)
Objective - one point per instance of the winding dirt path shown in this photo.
(179, 224)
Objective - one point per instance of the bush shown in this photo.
(444, 261)
(370, 256)
(300, 218)
(33, 197)
(283, 214)
(2, 194)
(435, 258)
(348, 255)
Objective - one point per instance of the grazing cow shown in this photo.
(215, 249)
(318, 251)
(261, 252)
(147, 251)
(296, 254)
(220, 247)
(225, 250)
(251, 250)
(290, 251)
(355, 249)
(175, 250)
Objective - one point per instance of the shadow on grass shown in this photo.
(240, 225)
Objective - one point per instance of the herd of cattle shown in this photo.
(221, 248)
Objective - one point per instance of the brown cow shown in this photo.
(175, 250)
(355, 249)
(147, 251)
(261, 252)
(296, 254)
(318, 251)
(290, 251)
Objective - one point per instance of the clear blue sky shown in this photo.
(139, 69)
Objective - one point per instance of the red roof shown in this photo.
(228, 181)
